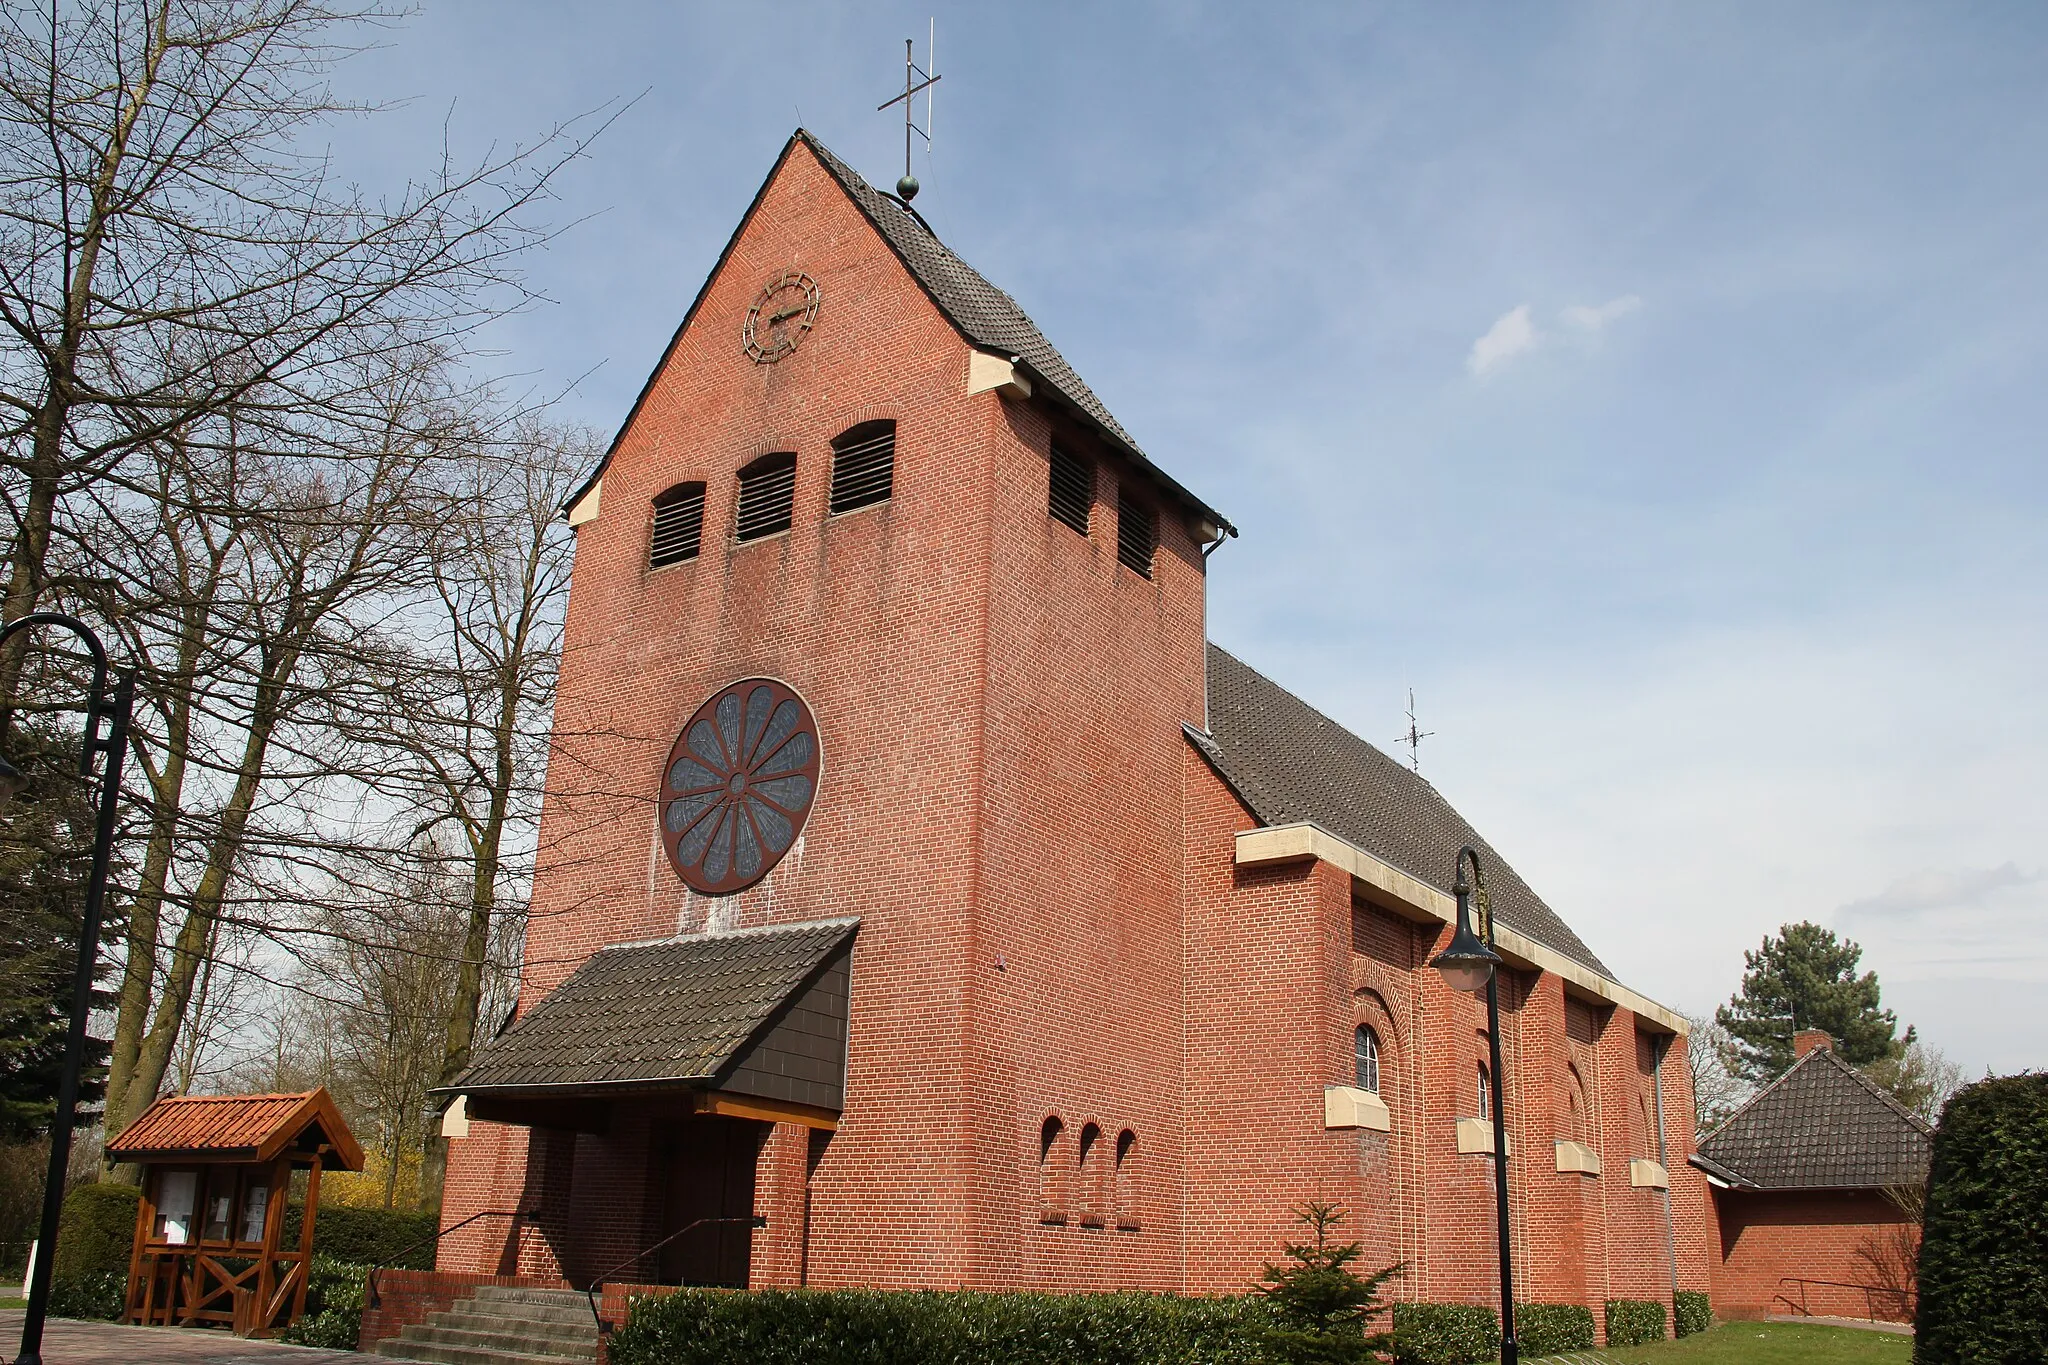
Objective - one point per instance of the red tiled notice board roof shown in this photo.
(252, 1128)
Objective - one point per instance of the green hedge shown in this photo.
(1695, 1312)
(1984, 1247)
(369, 1236)
(96, 1232)
(97, 1294)
(880, 1327)
(334, 1304)
(1445, 1334)
(1634, 1322)
(1552, 1329)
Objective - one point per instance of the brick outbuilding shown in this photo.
(915, 876)
(1814, 1181)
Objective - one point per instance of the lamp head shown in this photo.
(1467, 963)
(12, 780)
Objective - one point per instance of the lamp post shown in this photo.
(1470, 964)
(114, 744)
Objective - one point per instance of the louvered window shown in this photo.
(1137, 532)
(678, 525)
(767, 497)
(1072, 492)
(863, 466)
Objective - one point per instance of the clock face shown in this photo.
(738, 785)
(779, 319)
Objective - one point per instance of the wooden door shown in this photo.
(710, 1166)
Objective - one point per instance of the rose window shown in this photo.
(738, 785)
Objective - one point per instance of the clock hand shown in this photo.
(786, 314)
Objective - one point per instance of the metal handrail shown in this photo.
(370, 1299)
(753, 1220)
(1905, 1296)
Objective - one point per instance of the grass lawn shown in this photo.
(1770, 1343)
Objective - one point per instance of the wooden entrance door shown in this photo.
(710, 1164)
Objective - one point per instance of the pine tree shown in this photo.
(1323, 1307)
(45, 845)
(1805, 978)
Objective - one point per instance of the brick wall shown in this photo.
(1853, 1237)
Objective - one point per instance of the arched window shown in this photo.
(1485, 1092)
(1052, 1192)
(1127, 1180)
(767, 500)
(678, 525)
(1089, 1166)
(863, 466)
(1366, 1047)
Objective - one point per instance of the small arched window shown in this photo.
(1485, 1092)
(1127, 1180)
(678, 525)
(1366, 1047)
(1052, 1183)
(1090, 1167)
(863, 466)
(767, 501)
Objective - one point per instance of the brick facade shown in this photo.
(1826, 1253)
(1087, 1048)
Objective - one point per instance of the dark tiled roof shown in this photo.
(1291, 763)
(676, 1012)
(985, 315)
(1821, 1125)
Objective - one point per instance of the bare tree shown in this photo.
(1717, 1088)
(1920, 1078)
(171, 241)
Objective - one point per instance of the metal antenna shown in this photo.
(906, 188)
(1413, 739)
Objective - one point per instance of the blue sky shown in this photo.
(1656, 390)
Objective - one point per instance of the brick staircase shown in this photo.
(501, 1325)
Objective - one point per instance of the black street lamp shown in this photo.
(1470, 964)
(114, 744)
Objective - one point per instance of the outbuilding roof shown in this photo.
(238, 1128)
(1822, 1125)
(681, 1013)
(1290, 763)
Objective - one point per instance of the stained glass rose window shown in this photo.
(738, 784)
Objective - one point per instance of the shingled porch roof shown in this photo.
(1823, 1125)
(683, 1013)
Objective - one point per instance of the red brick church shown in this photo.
(916, 876)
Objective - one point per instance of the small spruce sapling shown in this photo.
(1323, 1309)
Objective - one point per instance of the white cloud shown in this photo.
(1965, 889)
(1595, 317)
(1511, 334)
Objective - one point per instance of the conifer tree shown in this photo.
(1323, 1307)
(1803, 977)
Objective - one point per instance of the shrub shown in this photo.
(1445, 1334)
(99, 1294)
(1983, 1255)
(1634, 1322)
(334, 1304)
(1322, 1307)
(96, 1232)
(369, 1236)
(1694, 1312)
(882, 1327)
(1551, 1329)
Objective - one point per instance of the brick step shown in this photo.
(506, 1337)
(581, 1328)
(397, 1348)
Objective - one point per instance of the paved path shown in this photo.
(67, 1342)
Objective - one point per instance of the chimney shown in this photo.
(1807, 1039)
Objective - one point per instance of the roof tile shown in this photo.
(1821, 1125)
